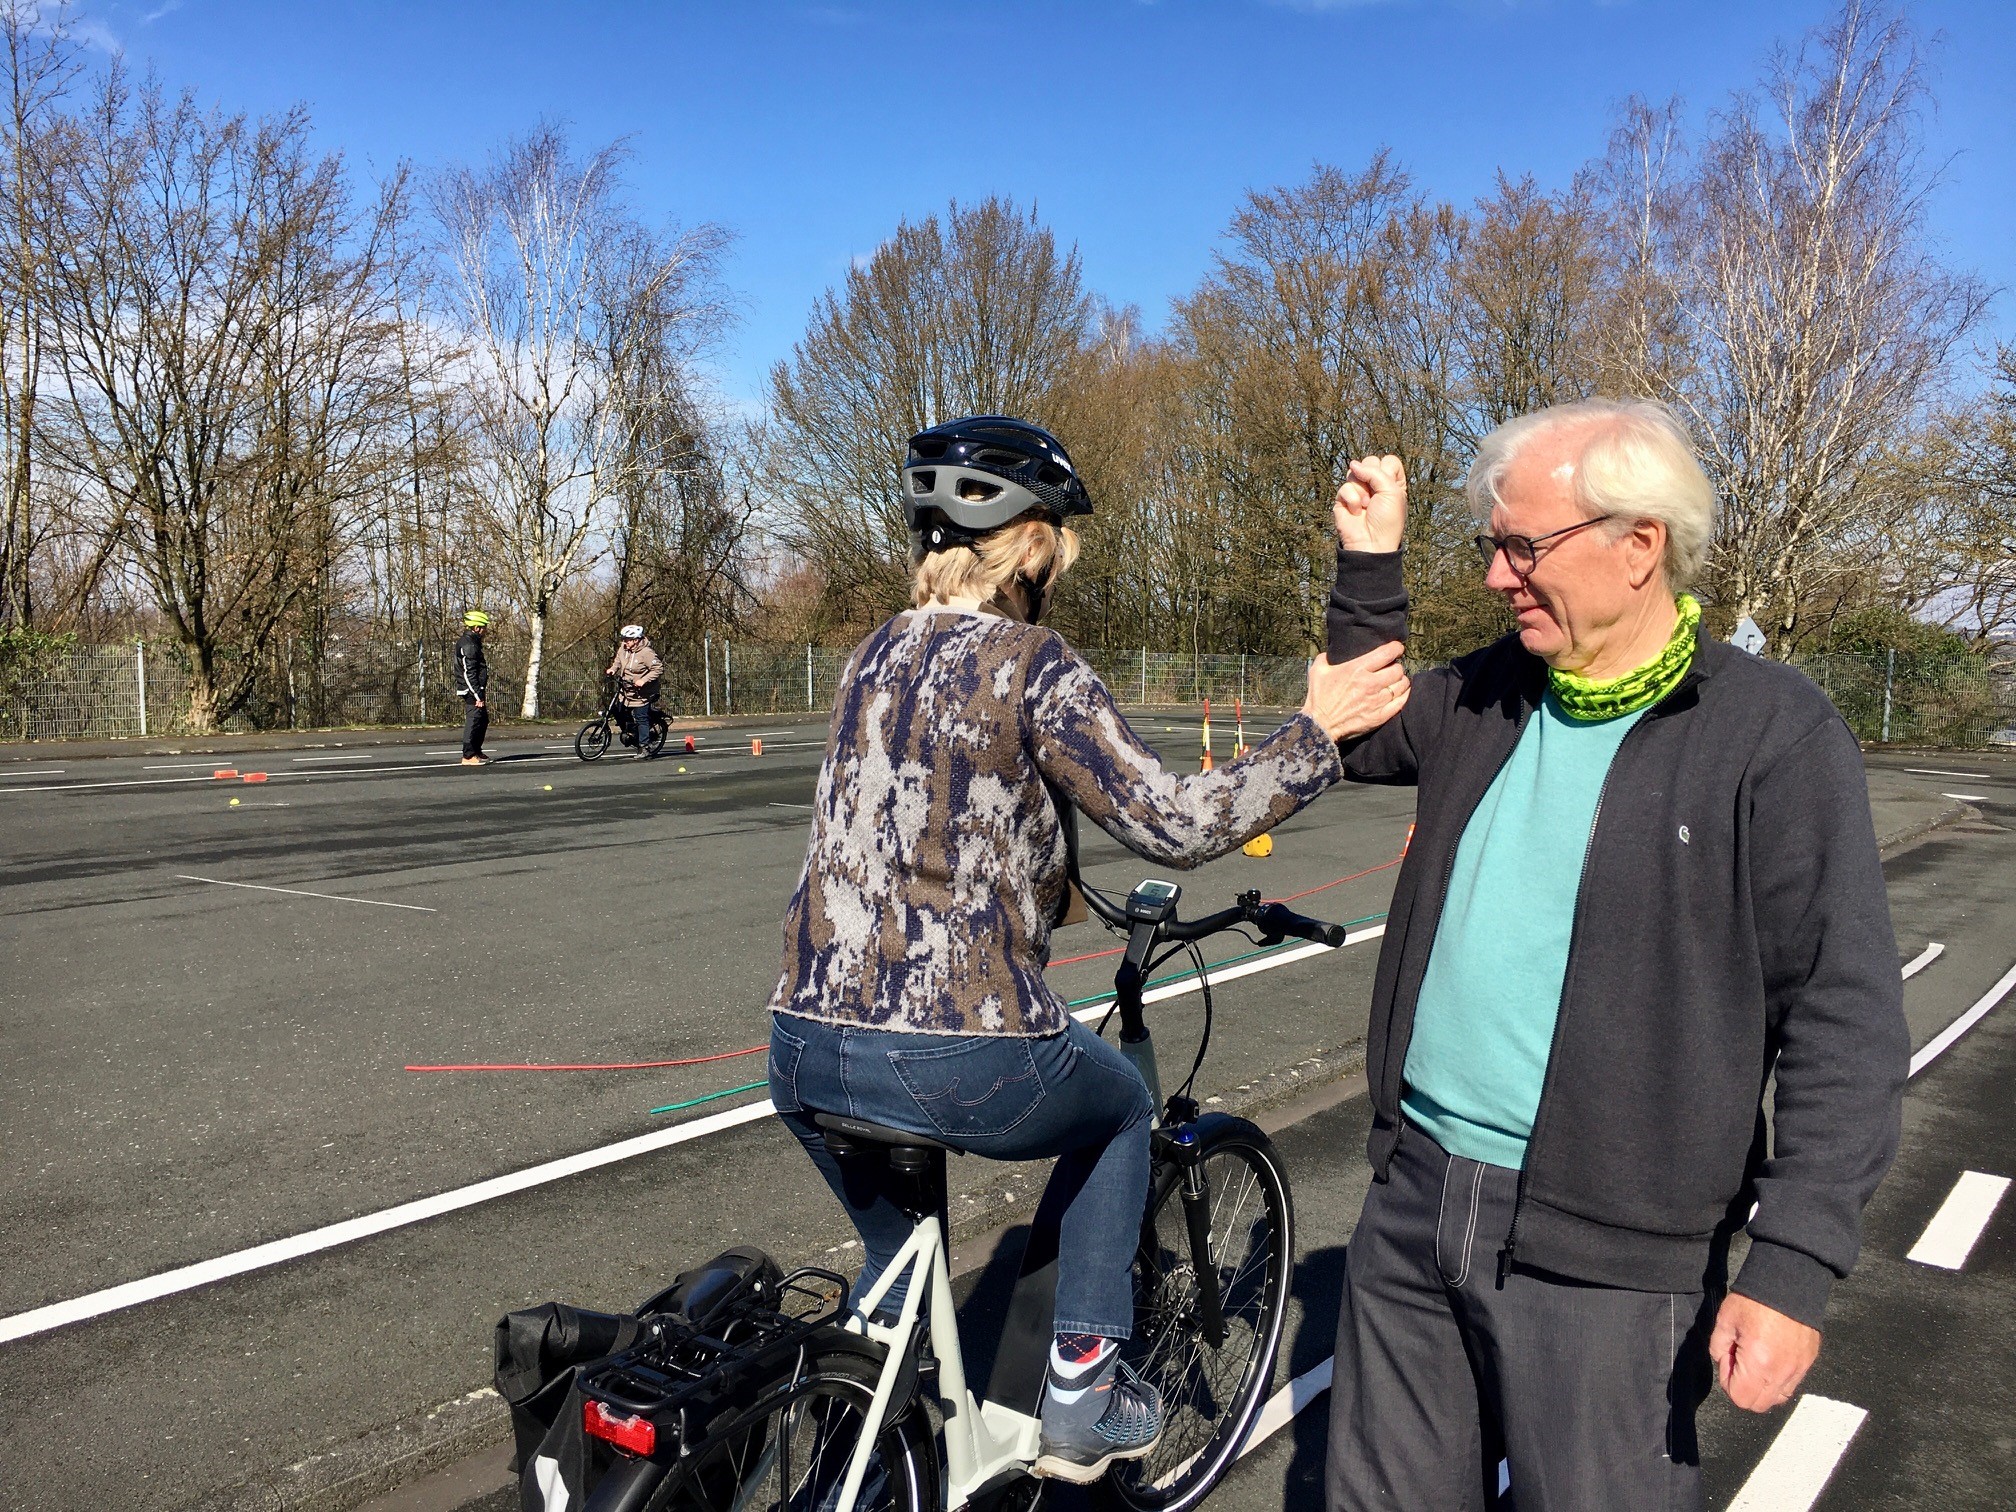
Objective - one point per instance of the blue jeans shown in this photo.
(641, 716)
(1070, 1095)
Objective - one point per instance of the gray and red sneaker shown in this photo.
(1096, 1411)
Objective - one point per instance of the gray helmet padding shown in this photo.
(1010, 500)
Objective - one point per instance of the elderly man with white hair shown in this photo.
(1643, 887)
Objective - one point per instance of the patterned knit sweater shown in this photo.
(937, 858)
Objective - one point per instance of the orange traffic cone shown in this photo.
(689, 745)
(1206, 764)
(756, 747)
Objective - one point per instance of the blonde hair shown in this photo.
(1637, 462)
(981, 571)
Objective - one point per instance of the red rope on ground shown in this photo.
(698, 1060)
(1340, 881)
(701, 1060)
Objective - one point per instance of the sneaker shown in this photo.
(1096, 1413)
(475, 761)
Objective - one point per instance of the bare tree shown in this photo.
(216, 324)
(41, 64)
(979, 313)
(1821, 323)
(547, 272)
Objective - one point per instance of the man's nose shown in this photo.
(1499, 574)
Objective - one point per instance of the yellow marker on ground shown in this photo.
(1261, 846)
(234, 803)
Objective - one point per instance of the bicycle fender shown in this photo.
(834, 1339)
(627, 1486)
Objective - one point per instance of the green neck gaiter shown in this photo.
(1590, 701)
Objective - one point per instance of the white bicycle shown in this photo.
(776, 1394)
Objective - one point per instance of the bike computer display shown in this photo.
(1151, 902)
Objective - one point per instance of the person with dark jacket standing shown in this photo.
(1643, 884)
(472, 683)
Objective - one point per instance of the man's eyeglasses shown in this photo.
(1518, 549)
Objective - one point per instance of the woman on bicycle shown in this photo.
(636, 668)
(912, 992)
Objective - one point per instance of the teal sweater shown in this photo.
(1484, 1026)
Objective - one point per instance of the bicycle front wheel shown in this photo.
(593, 739)
(789, 1449)
(1210, 1393)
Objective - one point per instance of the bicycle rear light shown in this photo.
(639, 1435)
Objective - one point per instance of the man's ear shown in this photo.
(1644, 551)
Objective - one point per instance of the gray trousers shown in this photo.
(1442, 1369)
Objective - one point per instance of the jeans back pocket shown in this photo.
(786, 1050)
(972, 1088)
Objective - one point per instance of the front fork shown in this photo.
(1181, 1147)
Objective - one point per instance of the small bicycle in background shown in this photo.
(780, 1395)
(615, 723)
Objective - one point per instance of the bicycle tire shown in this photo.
(660, 728)
(737, 1464)
(1210, 1397)
(592, 740)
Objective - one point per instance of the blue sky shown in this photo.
(810, 129)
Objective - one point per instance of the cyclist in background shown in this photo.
(912, 991)
(637, 669)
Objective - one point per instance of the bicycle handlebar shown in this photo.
(1275, 921)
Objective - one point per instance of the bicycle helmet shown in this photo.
(968, 477)
(631, 632)
(475, 619)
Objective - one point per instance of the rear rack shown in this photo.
(682, 1369)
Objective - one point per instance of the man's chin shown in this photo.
(1542, 640)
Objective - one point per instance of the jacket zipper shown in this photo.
(1554, 1043)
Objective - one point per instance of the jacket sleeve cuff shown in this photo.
(1787, 1281)
(1368, 604)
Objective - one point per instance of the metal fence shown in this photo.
(105, 691)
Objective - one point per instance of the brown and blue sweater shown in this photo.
(938, 857)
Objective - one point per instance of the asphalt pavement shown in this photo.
(210, 1007)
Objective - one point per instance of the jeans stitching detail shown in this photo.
(1035, 1074)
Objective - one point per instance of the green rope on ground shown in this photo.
(694, 1102)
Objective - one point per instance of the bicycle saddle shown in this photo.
(843, 1133)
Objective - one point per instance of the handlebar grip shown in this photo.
(1276, 919)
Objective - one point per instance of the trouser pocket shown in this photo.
(972, 1088)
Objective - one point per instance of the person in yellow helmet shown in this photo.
(472, 683)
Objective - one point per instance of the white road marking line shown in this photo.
(365, 757)
(1951, 1234)
(1936, 772)
(1796, 1468)
(38, 772)
(791, 805)
(278, 1251)
(1967, 797)
(216, 762)
(302, 893)
(1924, 958)
(1283, 1407)
(1940, 1043)
(186, 1278)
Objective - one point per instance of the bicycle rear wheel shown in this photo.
(788, 1450)
(1210, 1395)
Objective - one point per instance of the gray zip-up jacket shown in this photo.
(1732, 924)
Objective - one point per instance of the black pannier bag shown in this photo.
(541, 1351)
